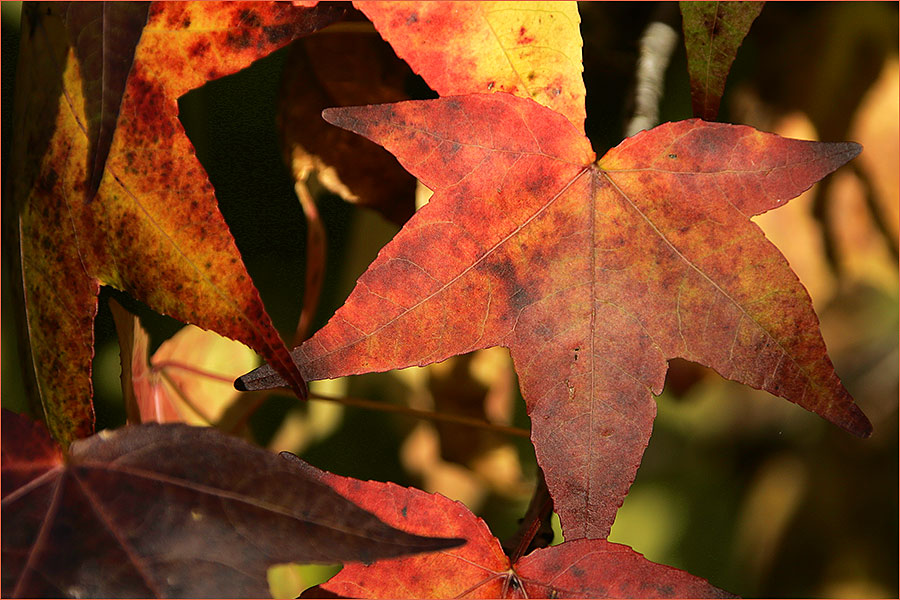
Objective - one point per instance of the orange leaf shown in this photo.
(592, 274)
(529, 49)
(154, 229)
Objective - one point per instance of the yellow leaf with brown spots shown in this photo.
(154, 228)
(528, 49)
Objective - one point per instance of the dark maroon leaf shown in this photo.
(29, 456)
(171, 510)
(104, 36)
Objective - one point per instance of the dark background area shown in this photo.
(746, 490)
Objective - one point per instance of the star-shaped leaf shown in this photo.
(593, 274)
(480, 569)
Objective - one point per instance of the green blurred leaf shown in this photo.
(713, 32)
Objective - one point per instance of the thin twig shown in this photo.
(240, 411)
(167, 364)
(535, 529)
(423, 414)
(360, 403)
(315, 259)
(349, 27)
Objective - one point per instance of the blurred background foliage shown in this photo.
(744, 489)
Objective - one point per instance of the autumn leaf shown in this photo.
(187, 380)
(154, 229)
(529, 49)
(480, 569)
(713, 32)
(170, 511)
(104, 36)
(592, 274)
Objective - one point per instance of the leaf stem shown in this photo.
(349, 27)
(315, 259)
(368, 404)
(535, 529)
(184, 398)
(423, 414)
(171, 364)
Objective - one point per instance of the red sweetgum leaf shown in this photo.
(480, 569)
(713, 32)
(592, 274)
(104, 36)
(601, 569)
(529, 49)
(153, 229)
(171, 511)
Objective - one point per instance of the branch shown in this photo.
(656, 47)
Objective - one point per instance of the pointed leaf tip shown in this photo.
(858, 424)
(329, 114)
(347, 117)
(261, 378)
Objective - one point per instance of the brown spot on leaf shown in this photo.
(199, 48)
(238, 40)
(47, 181)
(248, 18)
(175, 15)
(278, 34)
